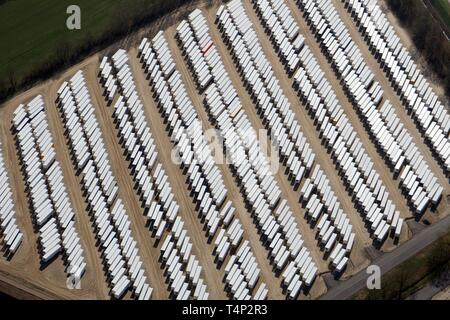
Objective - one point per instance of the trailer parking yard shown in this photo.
(249, 151)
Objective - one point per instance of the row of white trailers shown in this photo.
(154, 190)
(428, 190)
(332, 133)
(284, 31)
(366, 105)
(83, 129)
(431, 120)
(272, 105)
(390, 146)
(420, 170)
(272, 14)
(203, 176)
(248, 57)
(10, 233)
(286, 149)
(286, 236)
(369, 194)
(196, 49)
(314, 208)
(324, 210)
(242, 271)
(385, 140)
(317, 76)
(51, 208)
(204, 179)
(108, 80)
(119, 251)
(414, 90)
(218, 107)
(37, 186)
(183, 271)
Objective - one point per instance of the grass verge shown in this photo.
(413, 274)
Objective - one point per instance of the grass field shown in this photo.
(35, 31)
(35, 42)
(443, 8)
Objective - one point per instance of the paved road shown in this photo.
(388, 261)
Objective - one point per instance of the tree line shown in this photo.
(427, 36)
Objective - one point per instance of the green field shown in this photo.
(35, 42)
(443, 8)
